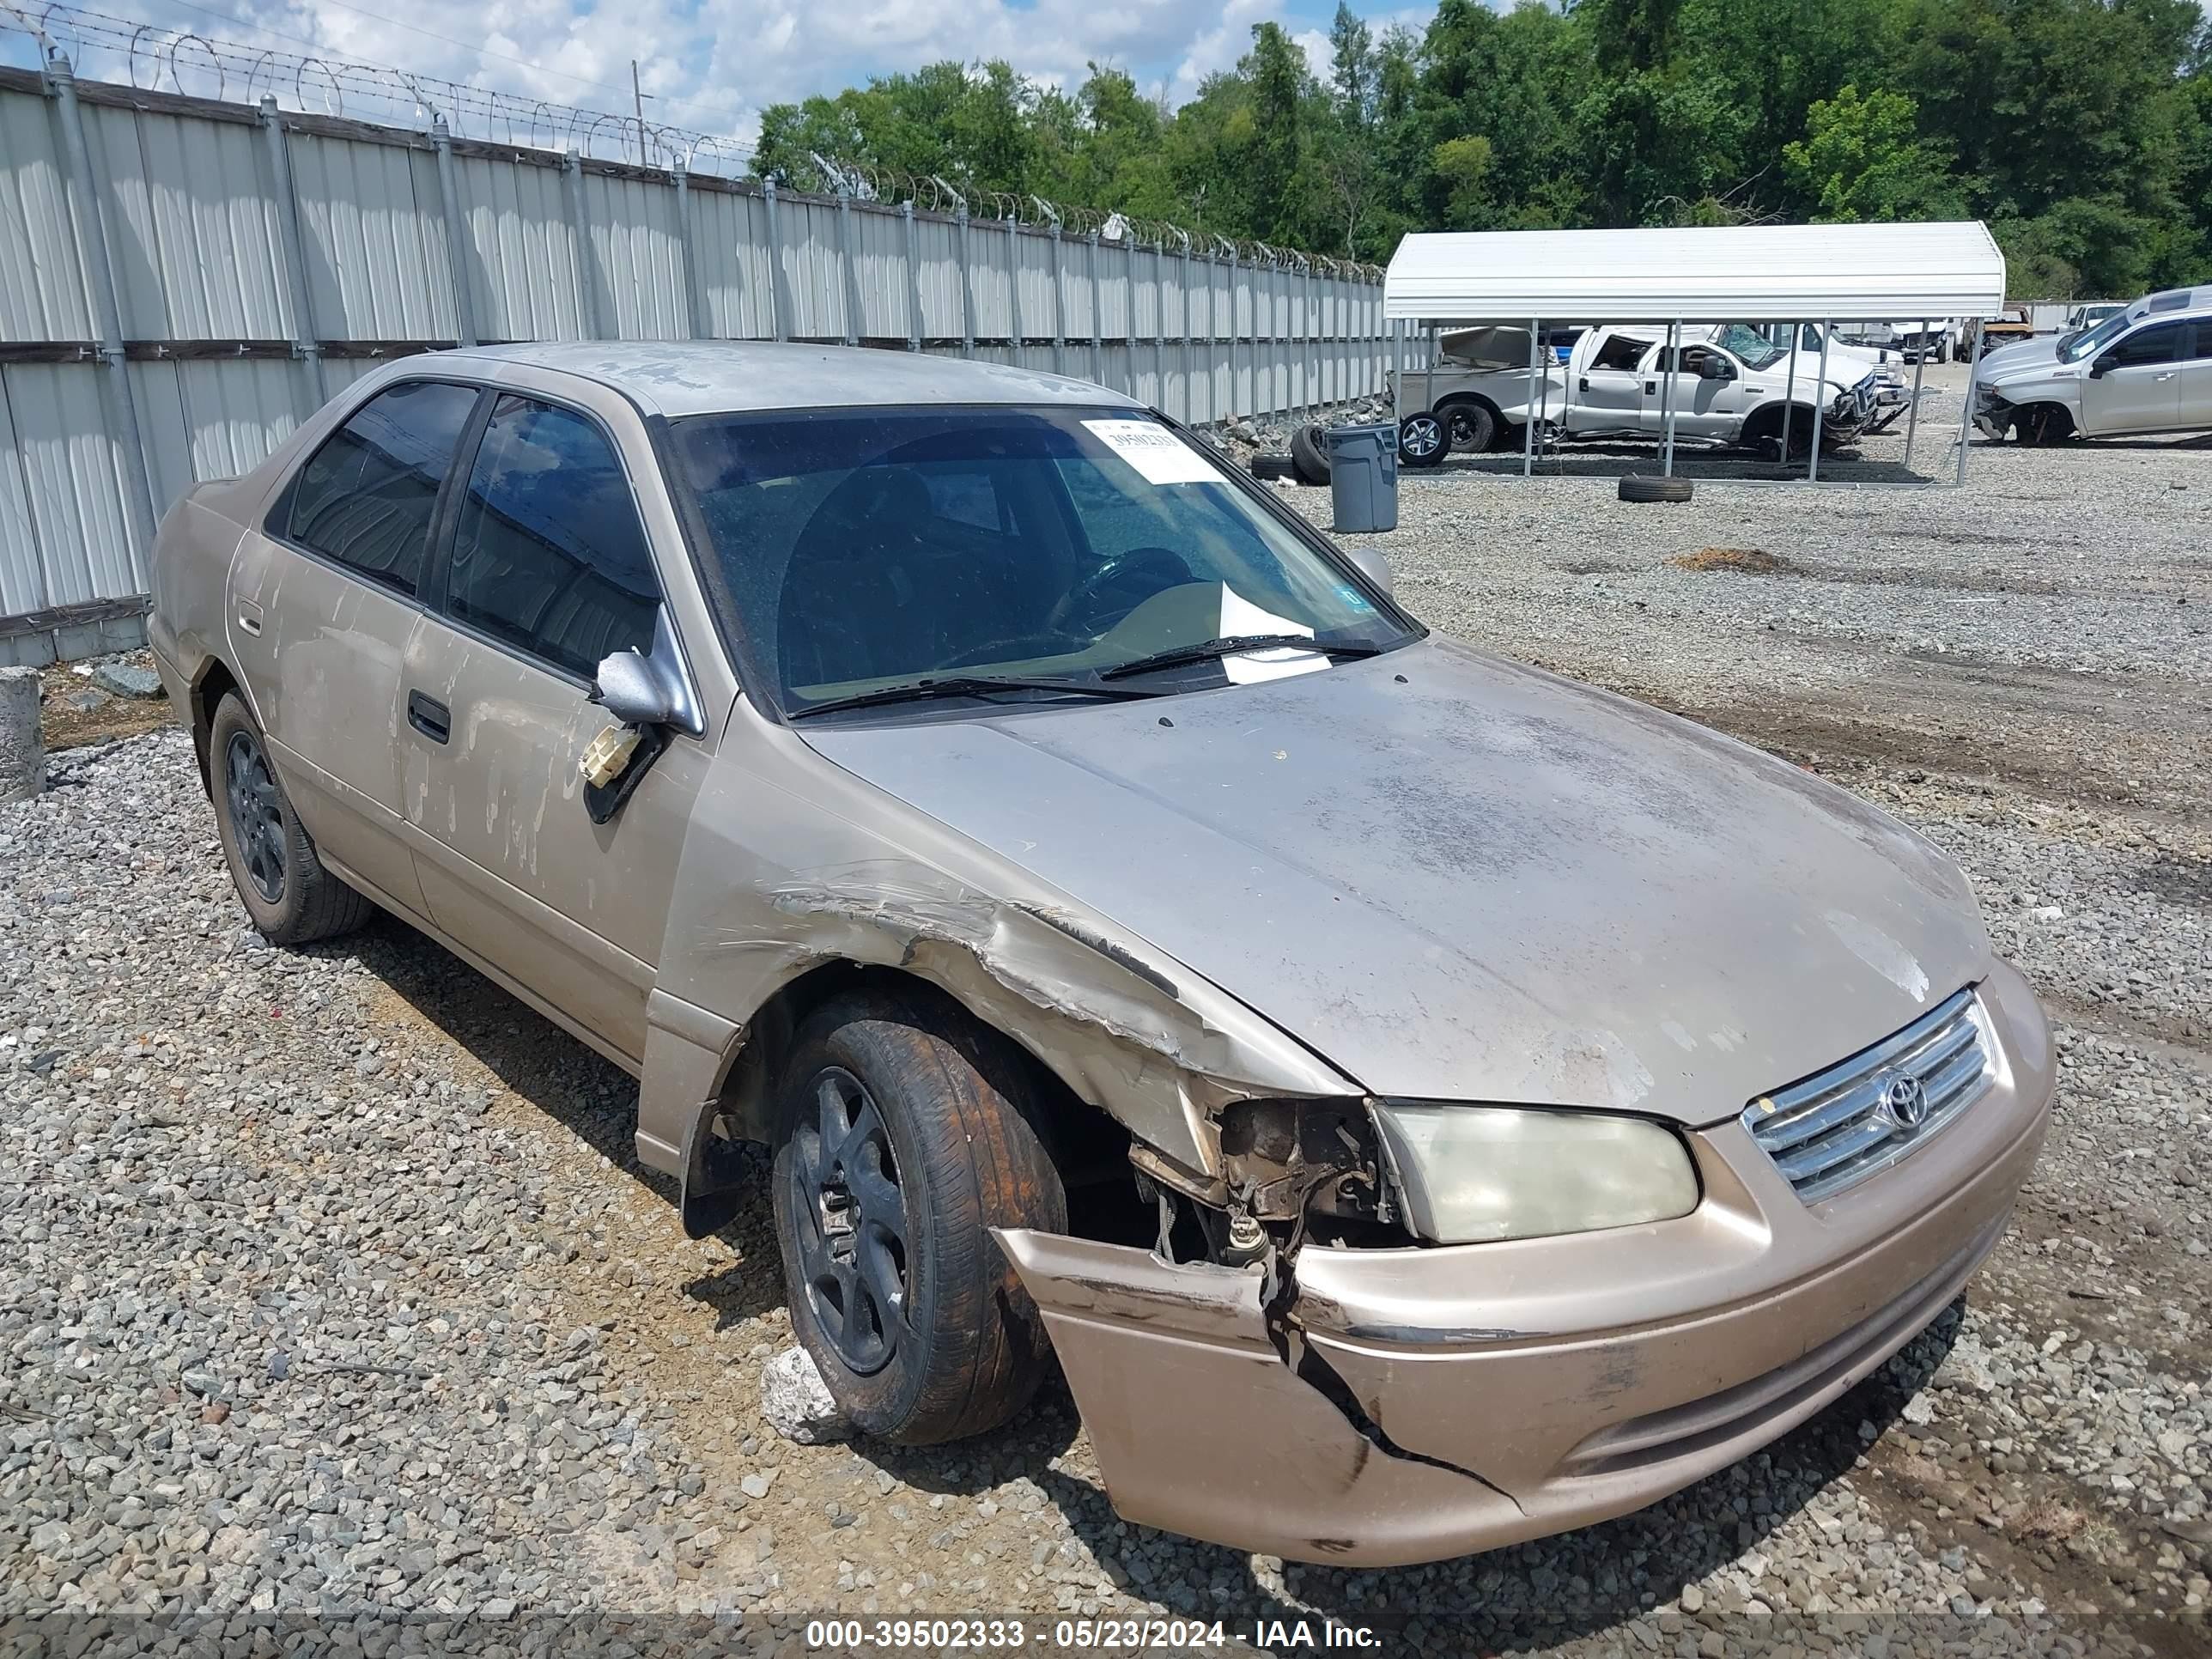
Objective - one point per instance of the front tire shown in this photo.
(292, 899)
(1422, 440)
(907, 1132)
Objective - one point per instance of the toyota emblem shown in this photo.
(1905, 1101)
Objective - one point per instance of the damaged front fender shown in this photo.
(833, 872)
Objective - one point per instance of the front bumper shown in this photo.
(1408, 1405)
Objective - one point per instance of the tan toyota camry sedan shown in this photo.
(1422, 1101)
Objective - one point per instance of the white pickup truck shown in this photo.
(1733, 387)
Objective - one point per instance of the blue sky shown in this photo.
(711, 65)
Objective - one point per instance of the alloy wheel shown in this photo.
(850, 1217)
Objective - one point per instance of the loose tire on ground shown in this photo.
(1422, 440)
(1272, 467)
(1310, 453)
(291, 898)
(1637, 487)
(906, 1132)
(1474, 428)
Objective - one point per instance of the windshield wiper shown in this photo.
(968, 685)
(1234, 644)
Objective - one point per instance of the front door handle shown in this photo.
(2168, 375)
(429, 717)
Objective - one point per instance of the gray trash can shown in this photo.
(1363, 477)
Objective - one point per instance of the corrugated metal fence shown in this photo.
(182, 281)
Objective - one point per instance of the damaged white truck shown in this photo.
(1735, 386)
(1422, 1101)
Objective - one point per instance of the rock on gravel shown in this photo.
(796, 1401)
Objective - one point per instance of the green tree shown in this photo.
(1862, 157)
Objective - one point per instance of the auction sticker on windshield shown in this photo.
(1158, 455)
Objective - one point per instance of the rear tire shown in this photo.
(1636, 487)
(905, 1132)
(290, 897)
(1474, 428)
(1310, 453)
(1422, 440)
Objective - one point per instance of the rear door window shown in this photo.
(548, 553)
(366, 497)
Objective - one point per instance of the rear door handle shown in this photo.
(429, 717)
(249, 617)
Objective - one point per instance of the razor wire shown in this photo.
(101, 47)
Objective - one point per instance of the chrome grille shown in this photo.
(1854, 1119)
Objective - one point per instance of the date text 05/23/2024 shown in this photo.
(1089, 1635)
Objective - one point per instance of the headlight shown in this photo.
(1476, 1174)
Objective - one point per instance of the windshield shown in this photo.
(1753, 349)
(861, 550)
(2089, 342)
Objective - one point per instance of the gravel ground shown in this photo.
(329, 1291)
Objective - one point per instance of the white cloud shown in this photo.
(1217, 48)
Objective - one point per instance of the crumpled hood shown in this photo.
(1458, 877)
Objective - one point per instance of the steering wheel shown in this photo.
(1164, 563)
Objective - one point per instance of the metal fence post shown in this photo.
(1189, 398)
(1912, 415)
(121, 409)
(1129, 295)
(694, 284)
(1235, 275)
(449, 209)
(1528, 423)
(776, 283)
(1966, 414)
(914, 276)
(851, 264)
(967, 290)
(1668, 395)
(292, 275)
(1790, 391)
(1020, 336)
(1097, 309)
(1821, 408)
(1058, 309)
(580, 232)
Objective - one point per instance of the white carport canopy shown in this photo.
(1717, 274)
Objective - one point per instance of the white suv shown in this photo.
(2146, 369)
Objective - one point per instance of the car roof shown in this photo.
(677, 378)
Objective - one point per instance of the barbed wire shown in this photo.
(869, 181)
(101, 46)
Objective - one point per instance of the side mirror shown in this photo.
(2099, 369)
(630, 691)
(649, 690)
(1712, 369)
(1372, 565)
